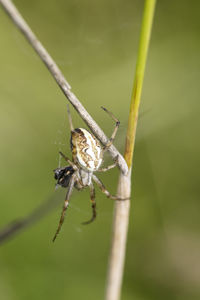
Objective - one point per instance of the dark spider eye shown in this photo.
(63, 175)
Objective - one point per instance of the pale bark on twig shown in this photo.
(122, 208)
(119, 237)
(60, 79)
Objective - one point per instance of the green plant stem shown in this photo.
(139, 78)
(122, 208)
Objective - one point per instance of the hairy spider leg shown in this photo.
(104, 190)
(70, 118)
(68, 160)
(92, 198)
(109, 167)
(66, 204)
(117, 123)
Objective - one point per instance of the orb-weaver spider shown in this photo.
(87, 156)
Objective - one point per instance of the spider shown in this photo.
(87, 156)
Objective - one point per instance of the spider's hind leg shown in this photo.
(110, 166)
(92, 198)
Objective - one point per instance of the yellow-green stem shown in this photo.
(122, 208)
(149, 8)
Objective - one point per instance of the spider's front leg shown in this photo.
(66, 204)
(117, 123)
(69, 161)
(92, 198)
(104, 190)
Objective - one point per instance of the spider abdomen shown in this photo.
(86, 149)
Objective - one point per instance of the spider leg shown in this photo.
(117, 123)
(109, 167)
(92, 198)
(66, 203)
(68, 160)
(70, 118)
(104, 190)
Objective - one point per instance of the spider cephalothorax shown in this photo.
(87, 156)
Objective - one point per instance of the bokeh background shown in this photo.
(95, 45)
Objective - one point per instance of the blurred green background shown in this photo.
(95, 45)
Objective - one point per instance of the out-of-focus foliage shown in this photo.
(95, 45)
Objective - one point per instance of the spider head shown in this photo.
(63, 175)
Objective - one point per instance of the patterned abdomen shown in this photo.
(86, 150)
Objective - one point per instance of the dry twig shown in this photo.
(16, 17)
(121, 214)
